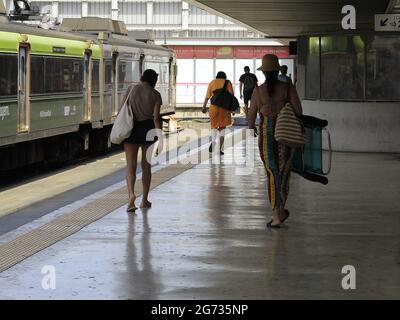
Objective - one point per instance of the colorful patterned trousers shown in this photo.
(277, 159)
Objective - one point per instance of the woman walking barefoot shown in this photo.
(145, 102)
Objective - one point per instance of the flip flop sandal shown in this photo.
(269, 225)
(131, 209)
(282, 221)
(287, 215)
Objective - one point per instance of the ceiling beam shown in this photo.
(218, 13)
(289, 18)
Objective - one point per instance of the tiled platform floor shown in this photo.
(205, 238)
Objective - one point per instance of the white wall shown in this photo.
(185, 80)
(359, 126)
(204, 74)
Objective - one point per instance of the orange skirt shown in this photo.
(219, 117)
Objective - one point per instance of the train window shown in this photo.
(63, 75)
(53, 74)
(74, 79)
(76, 67)
(8, 75)
(121, 74)
(135, 75)
(128, 73)
(108, 66)
(95, 75)
(165, 72)
(37, 72)
(156, 66)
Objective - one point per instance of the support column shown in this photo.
(85, 8)
(194, 81)
(114, 9)
(54, 9)
(235, 76)
(149, 12)
(9, 6)
(185, 15)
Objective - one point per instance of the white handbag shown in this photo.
(123, 124)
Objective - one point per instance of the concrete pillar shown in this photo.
(185, 15)
(54, 9)
(85, 8)
(149, 12)
(194, 81)
(235, 76)
(114, 9)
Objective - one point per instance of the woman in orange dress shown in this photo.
(220, 118)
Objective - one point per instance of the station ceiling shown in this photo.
(283, 19)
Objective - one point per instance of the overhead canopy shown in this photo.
(282, 19)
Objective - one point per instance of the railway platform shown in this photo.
(205, 236)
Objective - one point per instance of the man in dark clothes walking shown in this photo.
(248, 82)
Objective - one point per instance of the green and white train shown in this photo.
(61, 91)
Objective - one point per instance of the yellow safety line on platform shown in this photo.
(36, 240)
(53, 184)
(26, 245)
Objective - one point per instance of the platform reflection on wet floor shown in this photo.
(205, 238)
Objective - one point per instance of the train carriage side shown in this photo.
(127, 71)
(107, 84)
(8, 85)
(40, 94)
(94, 100)
(57, 84)
(163, 62)
(60, 92)
(131, 58)
(49, 90)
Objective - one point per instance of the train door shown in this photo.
(141, 64)
(115, 84)
(23, 94)
(87, 90)
(173, 68)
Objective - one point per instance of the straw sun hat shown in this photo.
(270, 62)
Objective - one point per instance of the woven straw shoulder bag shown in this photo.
(289, 129)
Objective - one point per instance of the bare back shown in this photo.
(265, 104)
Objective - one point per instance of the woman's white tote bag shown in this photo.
(123, 124)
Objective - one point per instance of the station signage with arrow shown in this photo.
(387, 22)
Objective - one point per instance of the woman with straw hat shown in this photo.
(268, 100)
